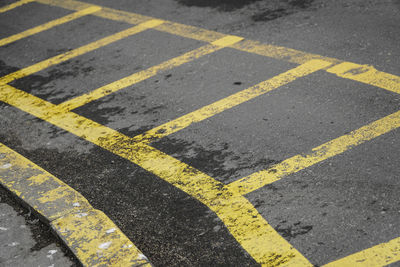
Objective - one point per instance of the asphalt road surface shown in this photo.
(303, 168)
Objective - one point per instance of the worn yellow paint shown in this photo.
(232, 101)
(49, 25)
(14, 5)
(380, 255)
(368, 75)
(150, 72)
(380, 79)
(54, 194)
(317, 154)
(39, 179)
(83, 229)
(97, 241)
(79, 51)
(249, 228)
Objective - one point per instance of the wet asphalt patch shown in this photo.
(167, 225)
(262, 10)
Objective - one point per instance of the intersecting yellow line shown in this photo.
(241, 218)
(243, 221)
(150, 72)
(231, 101)
(380, 255)
(14, 5)
(320, 153)
(79, 51)
(368, 75)
(49, 25)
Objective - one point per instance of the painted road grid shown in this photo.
(205, 133)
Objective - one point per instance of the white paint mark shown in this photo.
(109, 231)
(6, 166)
(13, 244)
(76, 204)
(52, 251)
(22, 226)
(50, 265)
(142, 257)
(80, 215)
(3, 229)
(105, 245)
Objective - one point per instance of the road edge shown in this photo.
(87, 232)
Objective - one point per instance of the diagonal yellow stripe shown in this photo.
(379, 79)
(244, 222)
(232, 101)
(145, 74)
(368, 75)
(14, 5)
(49, 25)
(380, 255)
(330, 149)
(79, 51)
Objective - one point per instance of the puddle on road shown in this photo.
(258, 10)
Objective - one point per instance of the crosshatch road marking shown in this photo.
(49, 25)
(79, 51)
(325, 151)
(379, 78)
(227, 201)
(243, 221)
(14, 5)
(380, 255)
(76, 222)
(150, 72)
(232, 101)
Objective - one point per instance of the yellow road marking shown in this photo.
(79, 51)
(82, 228)
(379, 79)
(14, 5)
(49, 25)
(232, 101)
(320, 153)
(380, 255)
(244, 222)
(145, 74)
(367, 74)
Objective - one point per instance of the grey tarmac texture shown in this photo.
(335, 208)
(25, 241)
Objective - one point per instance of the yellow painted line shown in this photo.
(14, 5)
(325, 151)
(244, 222)
(232, 101)
(88, 233)
(379, 79)
(279, 52)
(79, 51)
(380, 255)
(368, 75)
(150, 72)
(49, 25)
